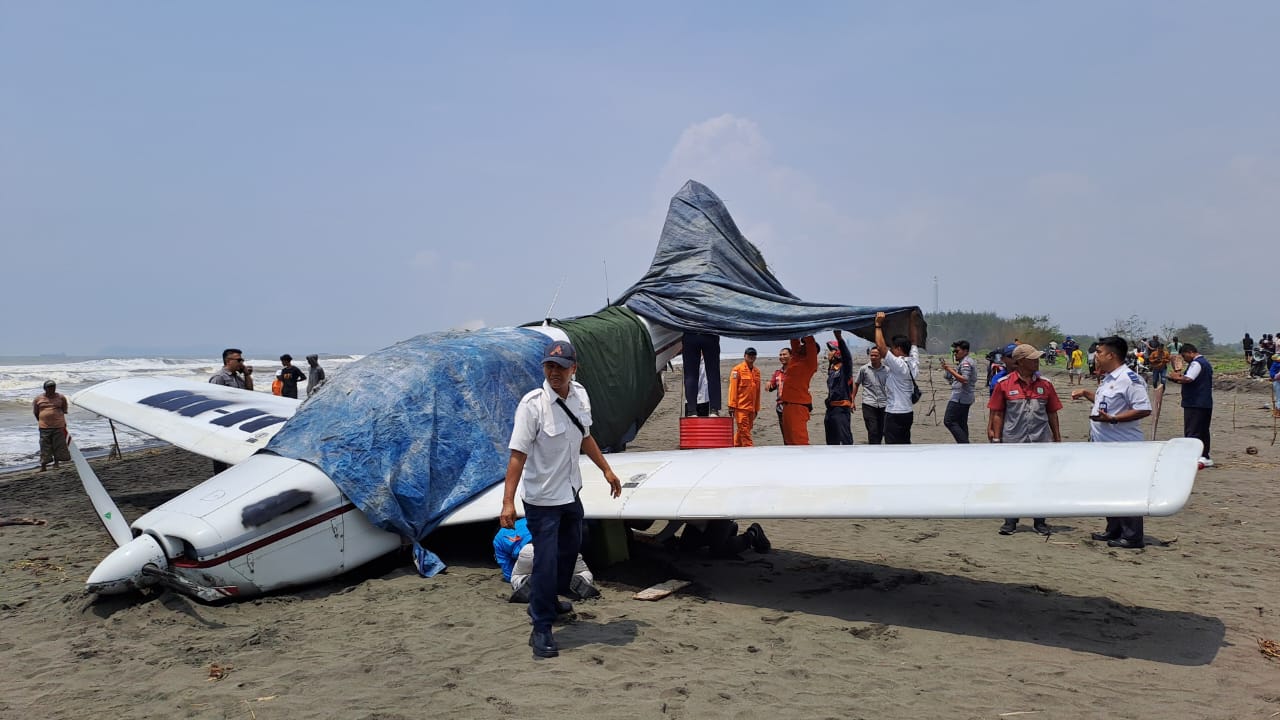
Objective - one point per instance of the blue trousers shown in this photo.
(1158, 377)
(557, 539)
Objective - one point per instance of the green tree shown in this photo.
(987, 331)
(1197, 335)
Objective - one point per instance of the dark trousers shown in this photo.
(956, 419)
(1195, 424)
(700, 347)
(721, 536)
(557, 538)
(897, 428)
(873, 418)
(1129, 528)
(836, 423)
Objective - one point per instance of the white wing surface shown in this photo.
(895, 481)
(219, 422)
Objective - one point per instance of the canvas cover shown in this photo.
(706, 277)
(615, 365)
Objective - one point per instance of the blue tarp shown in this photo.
(706, 277)
(411, 432)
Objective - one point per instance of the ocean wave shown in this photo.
(20, 383)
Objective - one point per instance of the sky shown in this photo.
(334, 177)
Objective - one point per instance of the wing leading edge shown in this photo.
(903, 481)
(218, 422)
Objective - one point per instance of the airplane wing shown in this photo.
(890, 481)
(223, 423)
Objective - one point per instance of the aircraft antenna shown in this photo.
(554, 298)
(607, 302)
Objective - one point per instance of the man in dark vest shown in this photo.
(1197, 397)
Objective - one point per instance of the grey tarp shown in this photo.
(706, 277)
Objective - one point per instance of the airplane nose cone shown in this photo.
(121, 571)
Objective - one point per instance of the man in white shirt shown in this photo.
(903, 367)
(1119, 404)
(549, 433)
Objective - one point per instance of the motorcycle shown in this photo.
(1259, 362)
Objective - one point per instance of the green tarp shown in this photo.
(615, 365)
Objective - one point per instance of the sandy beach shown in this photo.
(843, 619)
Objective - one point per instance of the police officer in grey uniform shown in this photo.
(1119, 404)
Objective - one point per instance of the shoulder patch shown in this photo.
(1133, 376)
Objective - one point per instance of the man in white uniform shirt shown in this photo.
(1119, 404)
(903, 366)
(549, 433)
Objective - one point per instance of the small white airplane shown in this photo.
(273, 521)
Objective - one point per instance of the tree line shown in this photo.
(987, 331)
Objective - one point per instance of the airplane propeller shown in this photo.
(108, 513)
(131, 565)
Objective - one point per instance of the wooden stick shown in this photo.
(1235, 402)
(1273, 417)
(933, 396)
(1159, 404)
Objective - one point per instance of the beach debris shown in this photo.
(1251, 450)
(1019, 712)
(218, 672)
(1269, 648)
(22, 521)
(253, 715)
(661, 590)
(39, 566)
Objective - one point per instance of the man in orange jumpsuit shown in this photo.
(744, 397)
(796, 401)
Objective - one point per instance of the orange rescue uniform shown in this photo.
(795, 398)
(744, 401)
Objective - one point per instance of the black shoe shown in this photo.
(582, 589)
(563, 607)
(1126, 544)
(543, 644)
(521, 595)
(1009, 528)
(759, 541)
(1104, 537)
(1042, 528)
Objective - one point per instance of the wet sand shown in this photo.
(843, 619)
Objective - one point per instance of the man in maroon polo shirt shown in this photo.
(1024, 408)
